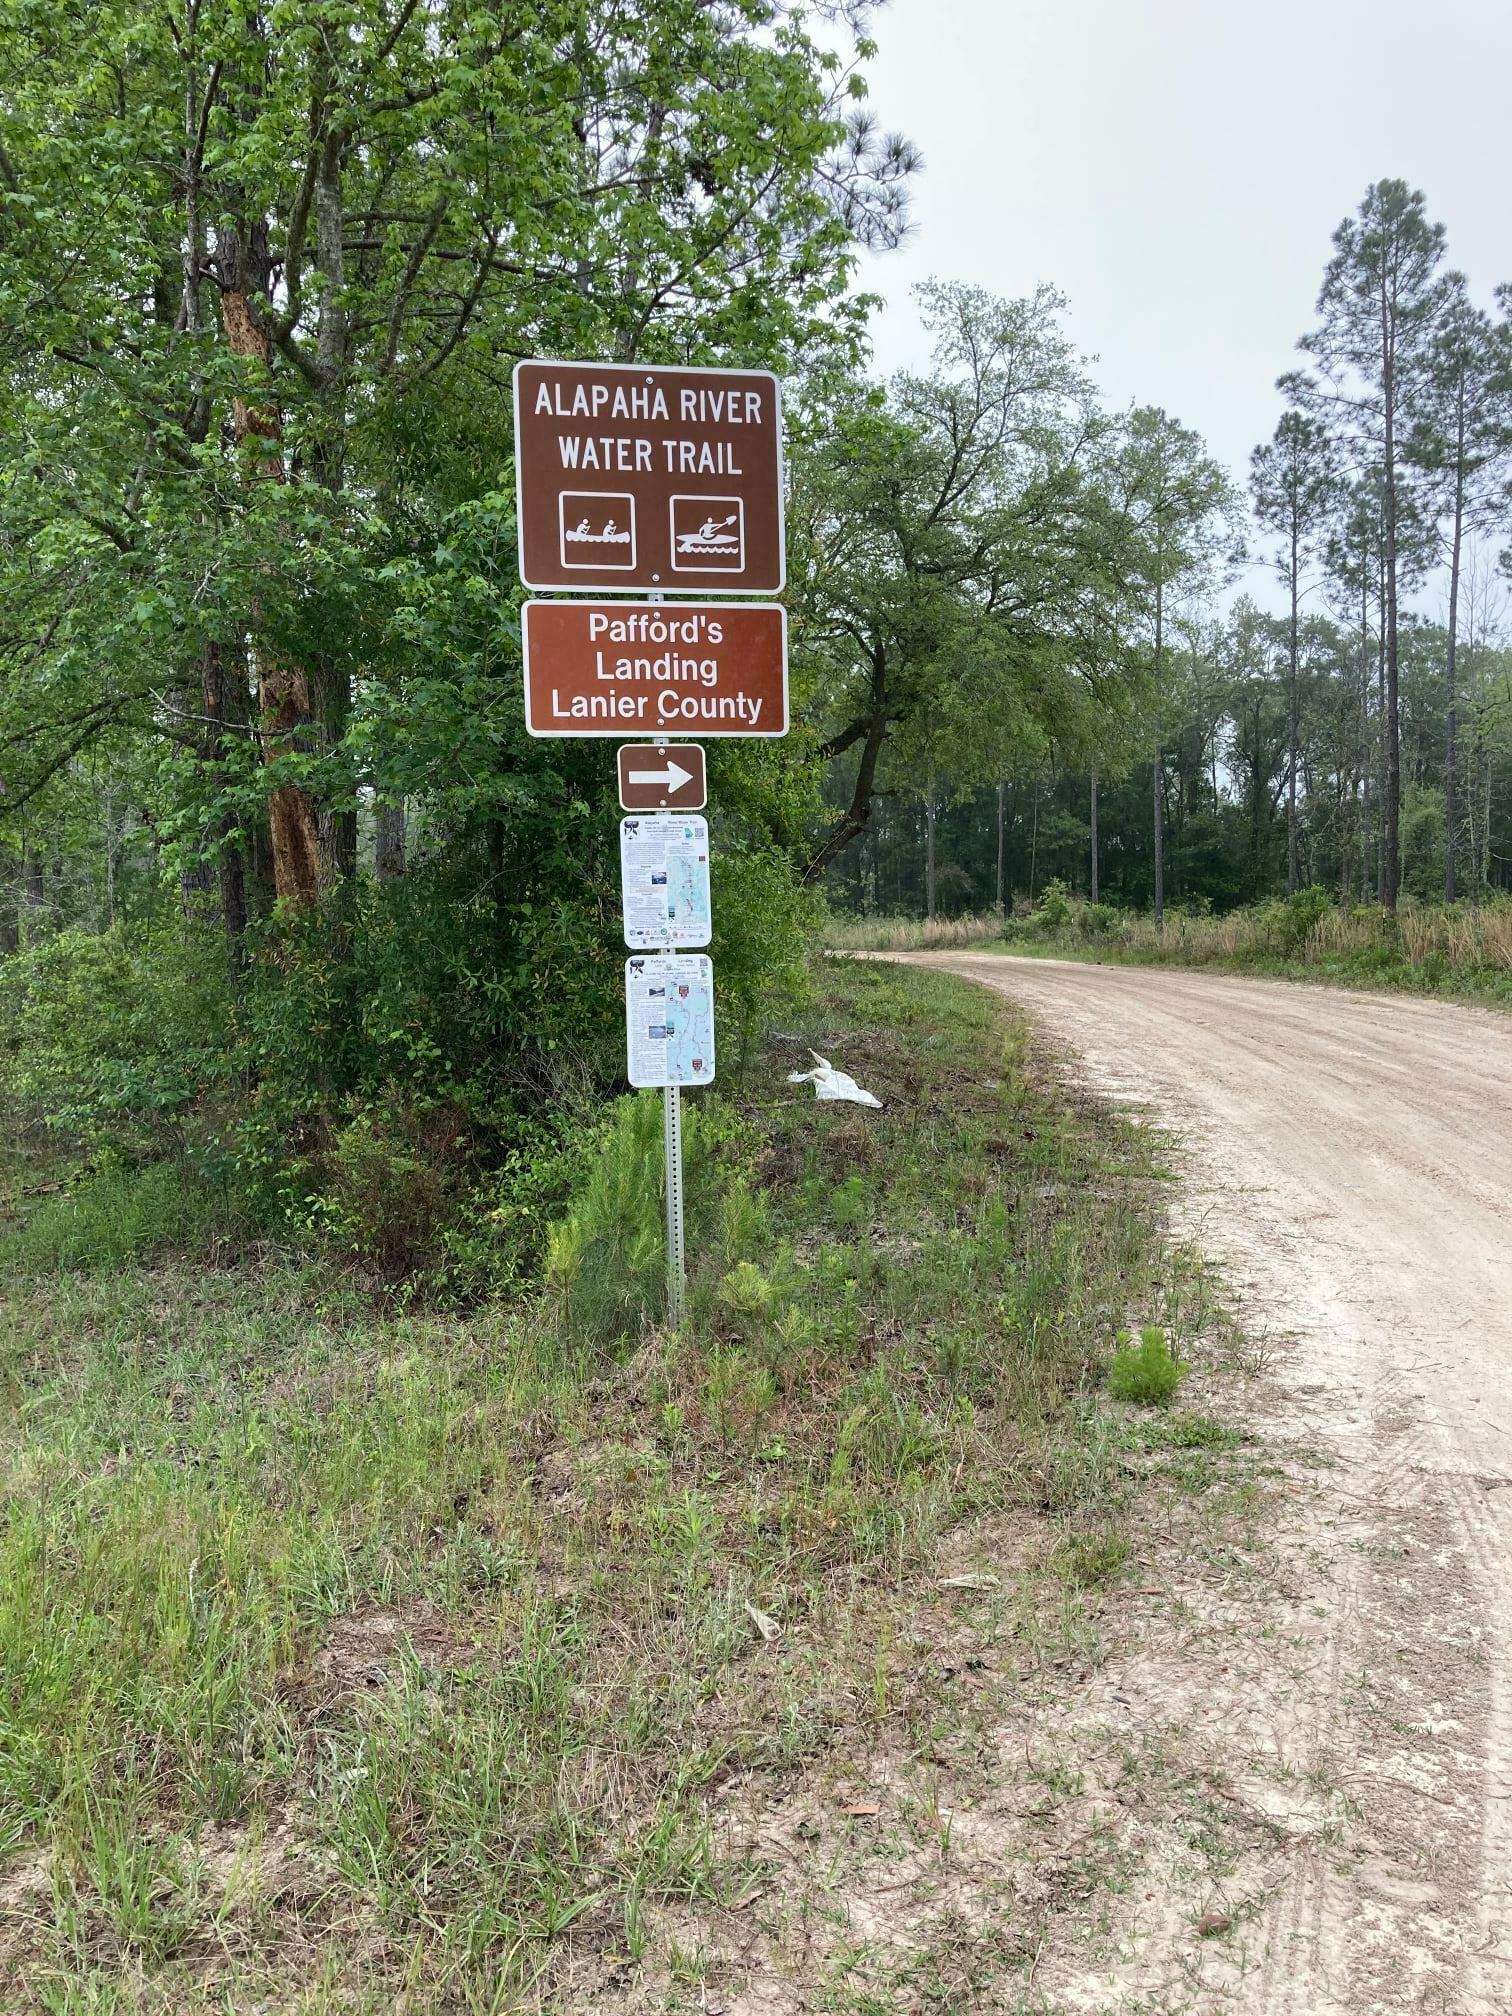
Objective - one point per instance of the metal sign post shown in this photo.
(672, 1172)
(677, 1259)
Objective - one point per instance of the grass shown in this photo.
(353, 1658)
(911, 934)
(1461, 950)
(114, 1217)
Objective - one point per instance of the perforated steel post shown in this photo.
(677, 1267)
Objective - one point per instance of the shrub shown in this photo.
(1096, 920)
(1053, 910)
(390, 1178)
(606, 1257)
(1290, 922)
(1146, 1372)
(115, 1047)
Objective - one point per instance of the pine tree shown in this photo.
(1295, 482)
(1380, 303)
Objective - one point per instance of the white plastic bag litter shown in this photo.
(828, 1083)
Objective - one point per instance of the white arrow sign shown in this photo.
(674, 776)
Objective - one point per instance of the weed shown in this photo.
(1146, 1372)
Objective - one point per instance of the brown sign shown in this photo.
(655, 668)
(662, 777)
(635, 476)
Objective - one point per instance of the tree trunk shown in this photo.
(1392, 809)
(1363, 725)
(1095, 897)
(33, 895)
(1158, 783)
(1451, 735)
(1380, 754)
(857, 815)
(1293, 864)
(1001, 793)
(112, 837)
(284, 691)
(929, 850)
(1158, 797)
(388, 841)
(10, 916)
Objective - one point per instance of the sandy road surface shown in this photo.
(1348, 1158)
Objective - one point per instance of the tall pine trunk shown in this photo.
(1095, 897)
(1001, 792)
(1451, 684)
(1293, 867)
(1158, 783)
(1391, 875)
(1380, 751)
(929, 849)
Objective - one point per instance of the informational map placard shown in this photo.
(664, 879)
(669, 1019)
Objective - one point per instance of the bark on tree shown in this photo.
(1451, 735)
(1158, 785)
(283, 690)
(10, 916)
(871, 732)
(1380, 818)
(1157, 774)
(33, 895)
(1293, 866)
(929, 849)
(388, 841)
(1001, 793)
(1391, 874)
(1095, 897)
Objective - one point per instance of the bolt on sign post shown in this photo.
(649, 481)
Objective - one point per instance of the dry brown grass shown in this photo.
(1464, 948)
(910, 934)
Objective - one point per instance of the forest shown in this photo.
(284, 886)
(1349, 731)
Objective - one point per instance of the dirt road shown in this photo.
(1348, 1159)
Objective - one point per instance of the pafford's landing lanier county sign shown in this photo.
(634, 476)
(655, 668)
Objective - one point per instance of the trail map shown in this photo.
(664, 880)
(669, 1020)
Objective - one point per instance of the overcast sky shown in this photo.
(1177, 168)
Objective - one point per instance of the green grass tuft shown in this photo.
(1147, 1372)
